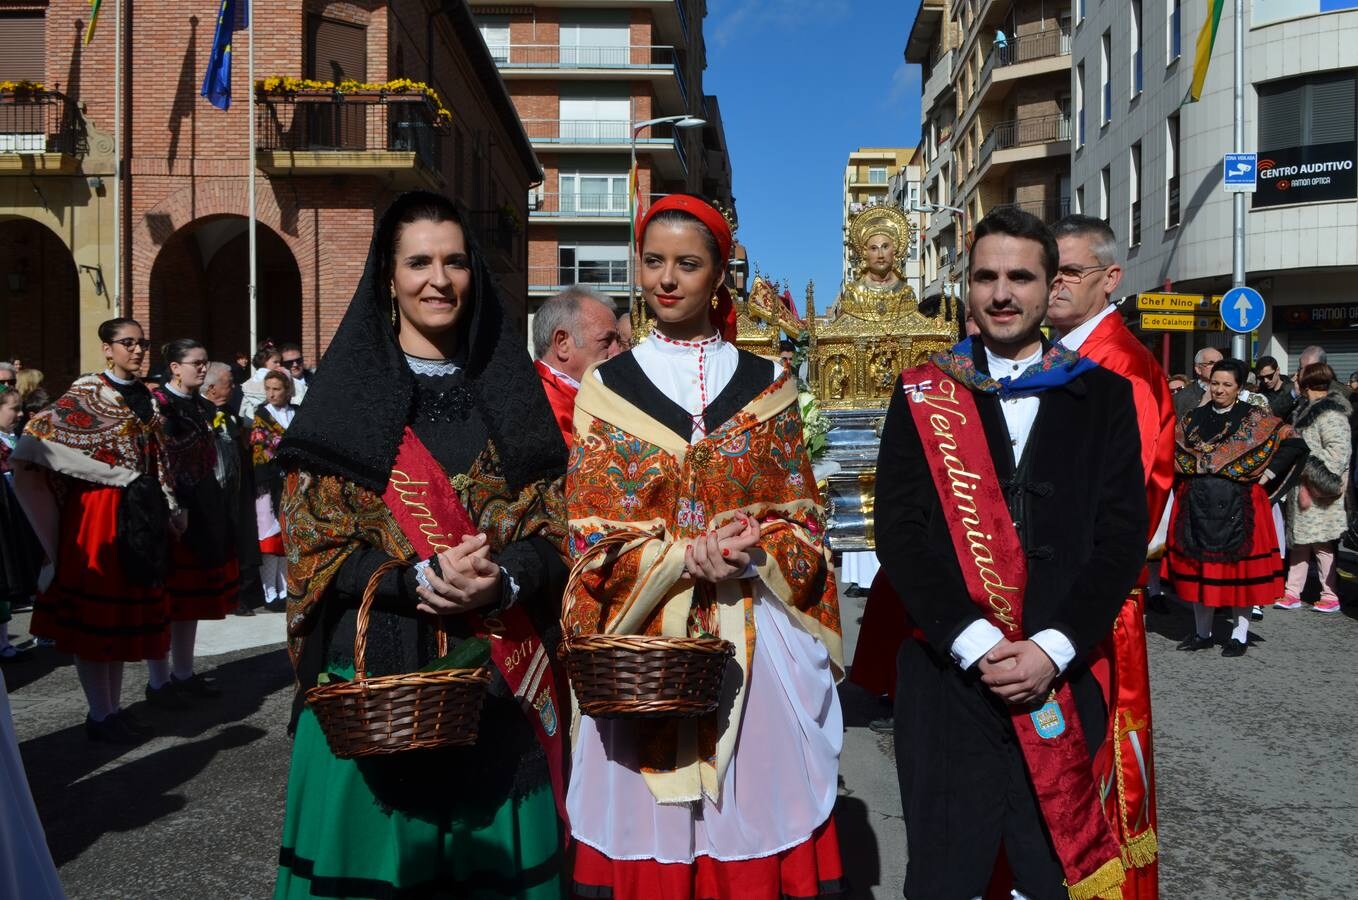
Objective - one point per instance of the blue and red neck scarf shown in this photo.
(1056, 368)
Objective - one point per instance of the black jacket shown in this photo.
(1078, 499)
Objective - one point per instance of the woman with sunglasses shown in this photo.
(203, 576)
(90, 471)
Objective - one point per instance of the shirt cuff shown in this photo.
(421, 568)
(509, 589)
(1057, 646)
(975, 641)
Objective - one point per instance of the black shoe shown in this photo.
(135, 726)
(1233, 648)
(196, 686)
(883, 726)
(14, 654)
(1257, 613)
(1159, 603)
(22, 606)
(1193, 643)
(242, 610)
(167, 696)
(109, 731)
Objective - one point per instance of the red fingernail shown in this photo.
(725, 552)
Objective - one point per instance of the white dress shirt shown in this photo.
(978, 638)
(560, 374)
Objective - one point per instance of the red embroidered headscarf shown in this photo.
(723, 315)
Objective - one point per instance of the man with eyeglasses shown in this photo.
(1195, 394)
(293, 364)
(1274, 386)
(8, 374)
(1081, 310)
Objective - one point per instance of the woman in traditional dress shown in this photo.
(426, 376)
(688, 465)
(1232, 460)
(1316, 513)
(203, 576)
(20, 555)
(91, 473)
(272, 418)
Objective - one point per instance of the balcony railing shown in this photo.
(557, 56)
(1026, 132)
(583, 205)
(1048, 210)
(610, 275)
(41, 122)
(350, 123)
(594, 131)
(1046, 44)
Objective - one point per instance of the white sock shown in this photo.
(268, 574)
(1241, 631)
(281, 578)
(113, 682)
(1202, 619)
(93, 678)
(158, 672)
(182, 638)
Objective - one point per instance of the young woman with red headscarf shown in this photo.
(690, 451)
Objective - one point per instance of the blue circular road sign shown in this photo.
(1242, 309)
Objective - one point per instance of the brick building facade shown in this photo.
(327, 164)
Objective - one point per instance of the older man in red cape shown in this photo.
(571, 332)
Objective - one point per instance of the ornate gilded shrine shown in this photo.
(763, 318)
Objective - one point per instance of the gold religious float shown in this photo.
(873, 331)
(763, 317)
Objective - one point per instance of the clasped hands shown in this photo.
(470, 579)
(724, 552)
(1018, 672)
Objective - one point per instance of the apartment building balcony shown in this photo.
(940, 222)
(656, 64)
(397, 137)
(608, 277)
(1020, 140)
(575, 208)
(1049, 210)
(669, 18)
(41, 133)
(1017, 60)
(663, 143)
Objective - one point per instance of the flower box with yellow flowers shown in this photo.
(285, 85)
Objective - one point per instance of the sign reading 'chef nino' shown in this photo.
(1307, 174)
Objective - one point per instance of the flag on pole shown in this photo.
(94, 19)
(231, 16)
(1203, 56)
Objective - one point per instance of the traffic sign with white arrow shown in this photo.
(1242, 309)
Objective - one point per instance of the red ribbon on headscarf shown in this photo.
(723, 315)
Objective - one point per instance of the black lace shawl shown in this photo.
(362, 395)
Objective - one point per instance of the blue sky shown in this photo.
(801, 84)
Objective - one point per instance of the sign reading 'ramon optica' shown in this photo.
(1307, 174)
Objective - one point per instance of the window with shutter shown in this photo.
(337, 51)
(23, 46)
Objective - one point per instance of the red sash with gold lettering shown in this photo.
(994, 568)
(431, 516)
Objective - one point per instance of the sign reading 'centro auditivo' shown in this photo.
(1307, 174)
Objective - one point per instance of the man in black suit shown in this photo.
(1063, 439)
(1194, 395)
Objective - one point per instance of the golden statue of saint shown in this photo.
(878, 236)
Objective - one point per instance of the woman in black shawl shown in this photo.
(425, 346)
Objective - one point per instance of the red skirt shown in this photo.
(1254, 580)
(879, 639)
(92, 609)
(198, 591)
(809, 871)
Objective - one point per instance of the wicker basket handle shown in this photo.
(365, 612)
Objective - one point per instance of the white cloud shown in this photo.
(750, 20)
(905, 83)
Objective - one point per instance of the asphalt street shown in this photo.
(1256, 760)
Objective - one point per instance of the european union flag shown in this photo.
(232, 15)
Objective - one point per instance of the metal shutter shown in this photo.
(336, 50)
(1281, 112)
(1332, 109)
(23, 46)
(1341, 350)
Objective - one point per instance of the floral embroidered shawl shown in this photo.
(265, 435)
(637, 493)
(1241, 455)
(89, 433)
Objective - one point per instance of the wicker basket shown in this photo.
(392, 713)
(628, 676)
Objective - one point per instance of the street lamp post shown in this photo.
(633, 190)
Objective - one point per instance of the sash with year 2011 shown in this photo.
(429, 513)
(993, 566)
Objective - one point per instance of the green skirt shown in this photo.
(339, 840)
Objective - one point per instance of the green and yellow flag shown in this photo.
(94, 19)
(1203, 56)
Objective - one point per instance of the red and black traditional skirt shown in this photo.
(1248, 574)
(199, 590)
(809, 871)
(883, 631)
(92, 609)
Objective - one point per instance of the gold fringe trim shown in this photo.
(1140, 851)
(1104, 884)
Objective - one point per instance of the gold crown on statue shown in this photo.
(880, 219)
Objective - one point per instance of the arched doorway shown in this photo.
(39, 302)
(200, 283)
